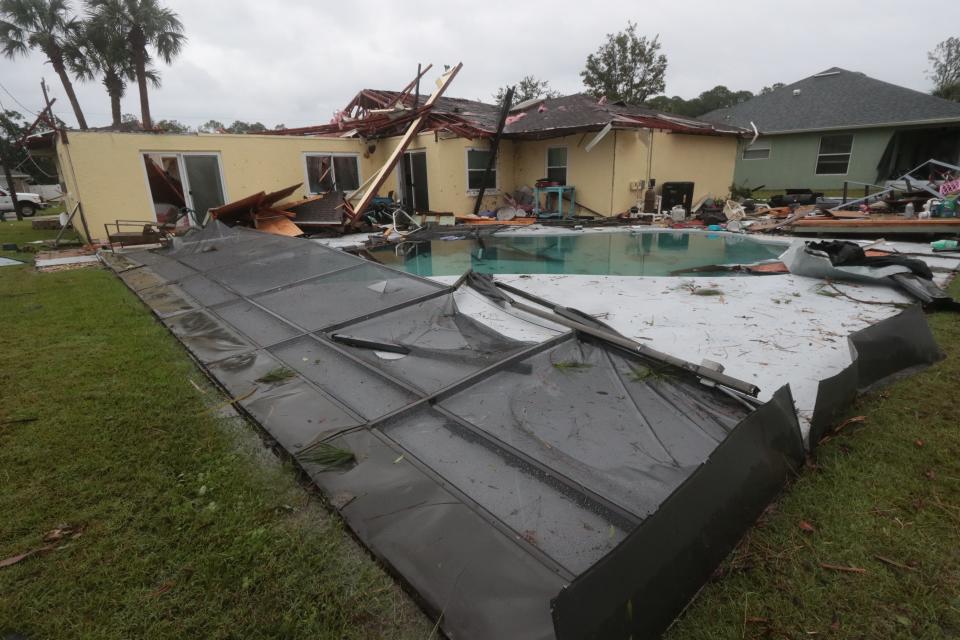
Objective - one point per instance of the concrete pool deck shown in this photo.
(768, 330)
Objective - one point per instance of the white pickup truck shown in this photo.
(29, 203)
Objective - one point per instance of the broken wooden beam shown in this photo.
(397, 153)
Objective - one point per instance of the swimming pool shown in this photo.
(646, 253)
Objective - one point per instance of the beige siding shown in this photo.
(112, 179)
(105, 170)
(603, 176)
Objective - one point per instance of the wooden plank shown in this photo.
(279, 226)
(494, 148)
(397, 153)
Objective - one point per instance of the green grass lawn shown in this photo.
(52, 210)
(191, 530)
(21, 233)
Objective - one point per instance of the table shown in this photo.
(559, 192)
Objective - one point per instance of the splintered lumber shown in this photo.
(278, 225)
(245, 208)
(260, 210)
(397, 153)
(405, 92)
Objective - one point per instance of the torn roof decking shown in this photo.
(503, 480)
(380, 113)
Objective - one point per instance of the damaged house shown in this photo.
(838, 126)
(604, 153)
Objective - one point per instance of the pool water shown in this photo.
(648, 253)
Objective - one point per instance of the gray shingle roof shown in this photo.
(835, 99)
(580, 112)
(552, 117)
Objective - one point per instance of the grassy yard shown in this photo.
(189, 530)
(21, 233)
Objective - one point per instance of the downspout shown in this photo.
(613, 171)
(649, 157)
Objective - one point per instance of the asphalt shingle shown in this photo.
(835, 99)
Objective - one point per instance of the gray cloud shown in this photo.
(296, 61)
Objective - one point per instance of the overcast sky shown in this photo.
(296, 61)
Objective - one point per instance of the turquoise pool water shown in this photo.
(654, 253)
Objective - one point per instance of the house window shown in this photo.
(557, 164)
(477, 160)
(328, 172)
(756, 151)
(834, 156)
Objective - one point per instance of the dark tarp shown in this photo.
(882, 353)
(523, 490)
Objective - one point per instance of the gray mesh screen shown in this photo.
(281, 268)
(616, 426)
(206, 337)
(167, 300)
(255, 323)
(569, 532)
(344, 295)
(445, 345)
(550, 457)
(206, 291)
(367, 393)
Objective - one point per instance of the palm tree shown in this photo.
(144, 23)
(43, 25)
(100, 50)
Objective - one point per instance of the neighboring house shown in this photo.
(21, 181)
(603, 150)
(838, 126)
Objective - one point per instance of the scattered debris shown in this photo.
(12, 560)
(327, 456)
(63, 531)
(571, 365)
(892, 563)
(277, 374)
(260, 211)
(841, 569)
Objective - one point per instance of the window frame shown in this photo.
(767, 146)
(821, 155)
(182, 169)
(333, 170)
(496, 172)
(566, 159)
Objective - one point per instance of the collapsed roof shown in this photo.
(377, 113)
(836, 99)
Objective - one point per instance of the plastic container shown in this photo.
(944, 245)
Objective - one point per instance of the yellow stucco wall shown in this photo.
(708, 161)
(106, 169)
(112, 179)
(447, 170)
(589, 173)
(603, 176)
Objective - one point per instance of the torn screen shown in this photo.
(521, 488)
